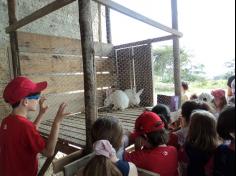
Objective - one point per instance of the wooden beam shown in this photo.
(38, 14)
(85, 21)
(108, 25)
(59, 164)
(148, 41)
(47, 164)
(99, 23)
(176, 51)
(13, 38)
(137, 16)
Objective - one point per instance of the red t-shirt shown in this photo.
(161, 160)
(20, 143)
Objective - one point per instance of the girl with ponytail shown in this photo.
(107, 136)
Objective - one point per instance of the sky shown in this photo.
(208, 28)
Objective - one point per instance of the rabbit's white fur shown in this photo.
(119, 99)
(205, 97)
(134, 98)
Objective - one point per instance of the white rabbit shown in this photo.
(205, 97)
(119, 99)
(134, 98)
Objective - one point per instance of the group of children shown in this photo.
(203, 144)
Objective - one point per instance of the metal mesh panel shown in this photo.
(134, 69)
(58, 61)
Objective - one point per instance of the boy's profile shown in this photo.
(20, 141)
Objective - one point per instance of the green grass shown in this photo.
(194, 87)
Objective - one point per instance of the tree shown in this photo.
(164, 65)
(230, 68)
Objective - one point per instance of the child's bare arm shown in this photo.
(52, 139)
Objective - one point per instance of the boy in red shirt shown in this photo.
(20, 142)
(151, 152)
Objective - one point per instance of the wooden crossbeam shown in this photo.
(148, 41)
(115, 6)
(137, 16)
(57, 4)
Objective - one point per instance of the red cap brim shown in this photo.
(40, 86)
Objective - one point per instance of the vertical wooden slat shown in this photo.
(99, 22)
(108, 25)
(13, 38)
(86, 32)
(176, 51)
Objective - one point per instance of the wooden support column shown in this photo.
(108, 25)
(13, 38)
(99, 22)
(176, 51)
(86, 32)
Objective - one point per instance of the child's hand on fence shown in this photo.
(61, 113)
(42, 107)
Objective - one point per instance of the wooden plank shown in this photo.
(75, 103)
(59, 164)
(73, 131)
(74, 134)
(2, 87)
(33, 63)
(68, 138)
(117, 7)
(105, 80)
(37, 43)
(104, 65)
(67, 83)
(4, 70)
(13, 38)
(3, 52)
(143, 42)
(47, 63)
(38, 14)
(72, 168)
(4, 109)
(74, 100)
(60, 84)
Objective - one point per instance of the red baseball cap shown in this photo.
(20, 87)
(148, 122)
(218, 93)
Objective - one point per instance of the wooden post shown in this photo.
(108, 25)
(13, 38)
(99, 22)
(86, 32)
(176, 51)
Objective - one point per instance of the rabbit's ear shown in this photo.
(140, 92)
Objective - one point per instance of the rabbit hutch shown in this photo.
(80, 70)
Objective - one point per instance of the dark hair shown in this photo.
(163, 112)
(189, 106)
(18, 103)
(193, 97)
(202, 131)
(226, 123)
(157, 138)
(105, 128)
(184, 85)
(15, 105)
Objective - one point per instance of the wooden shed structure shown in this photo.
(78, 71)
